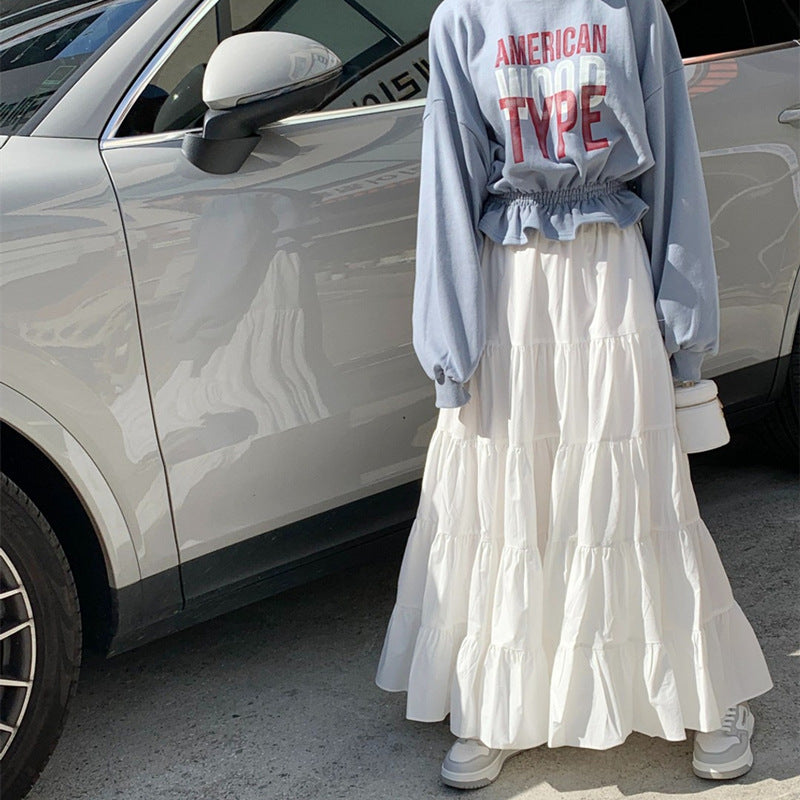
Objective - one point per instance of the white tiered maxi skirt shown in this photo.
(558, 585)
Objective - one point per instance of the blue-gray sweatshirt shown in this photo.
(548, 114)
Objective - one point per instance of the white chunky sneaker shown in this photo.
(725, 753)
(470, 764)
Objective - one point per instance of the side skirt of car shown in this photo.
(294, 554)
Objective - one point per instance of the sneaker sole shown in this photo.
(733, 769)
(476, 780)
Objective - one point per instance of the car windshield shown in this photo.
(44, 42)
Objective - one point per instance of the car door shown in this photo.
(275, 303)
(742, 73)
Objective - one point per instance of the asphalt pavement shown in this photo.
(277, 701)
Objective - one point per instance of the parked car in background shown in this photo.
(208, 391)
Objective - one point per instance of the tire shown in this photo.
(40, 603)
(781, 427)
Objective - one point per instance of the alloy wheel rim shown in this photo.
(17, 651)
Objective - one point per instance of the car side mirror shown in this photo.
(253, 79)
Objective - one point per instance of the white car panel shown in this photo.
(69, 328)
(67, 454)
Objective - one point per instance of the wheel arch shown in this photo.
(52, 468)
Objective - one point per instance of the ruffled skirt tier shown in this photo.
(559, 585)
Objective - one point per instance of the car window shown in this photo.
(774, 21)
(381, 44)
(384, 55)
(41, 49)
(334, 23)
(365, 34)
(401, 76)
(697, 36)
(407, 19)
(173, 99)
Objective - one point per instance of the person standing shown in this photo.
(559, 585)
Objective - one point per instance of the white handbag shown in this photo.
(701, 422)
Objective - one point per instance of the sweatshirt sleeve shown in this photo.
(448, 317)
(677, 229)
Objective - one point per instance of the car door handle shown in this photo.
(790, 116)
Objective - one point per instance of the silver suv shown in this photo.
(208, 391)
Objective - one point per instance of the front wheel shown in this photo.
(40, 640)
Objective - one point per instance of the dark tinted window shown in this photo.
(706, 27)
(401, 76)
(382, 61)
(173, 100)
(406, 18)
(363, 33)
(334, 23)
(774, 21)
